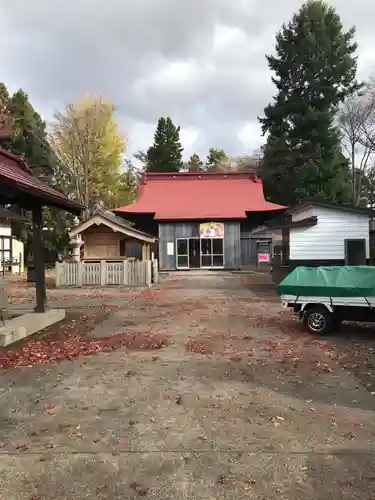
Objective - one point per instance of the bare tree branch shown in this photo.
(356, 122)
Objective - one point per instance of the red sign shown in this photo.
(264, 257)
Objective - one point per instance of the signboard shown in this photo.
(264, 257)
(211, 230)
(170, 248)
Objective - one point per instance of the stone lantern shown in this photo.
(76, 243)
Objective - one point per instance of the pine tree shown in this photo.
(195, 164)
(214, 158)
(315, 67)
(6, 120)
(23, 133)
(29, 136)
(127, 185)
(165, 155)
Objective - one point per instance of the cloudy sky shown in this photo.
(199, 61)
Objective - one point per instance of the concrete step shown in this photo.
(27, 324)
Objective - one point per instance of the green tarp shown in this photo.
(335, 281)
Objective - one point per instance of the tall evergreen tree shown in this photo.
(28, 137)
(195, 164)
(23, 133)
(315, 67)
(215, 157)
(165, 155)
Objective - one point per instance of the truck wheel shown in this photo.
(318, 320)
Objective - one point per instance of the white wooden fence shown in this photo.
(104, 273)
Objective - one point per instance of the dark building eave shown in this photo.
(307, 222)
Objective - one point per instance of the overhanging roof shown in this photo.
(331, 206)
(16, 176)
(200, 196)
(115, 223)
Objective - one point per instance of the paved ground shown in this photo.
(240, 405)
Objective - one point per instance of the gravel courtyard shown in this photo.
(207, 390)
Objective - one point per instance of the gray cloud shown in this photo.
(201, 62)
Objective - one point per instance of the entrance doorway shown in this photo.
(195, 253)
(355, 252)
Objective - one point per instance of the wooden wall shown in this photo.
(101, 242)
(170, 231)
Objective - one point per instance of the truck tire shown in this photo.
(318, 320)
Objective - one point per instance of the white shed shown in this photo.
(325, 234)
(333, 234)
(320, 234)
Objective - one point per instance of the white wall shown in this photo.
(17, 247)
(326, 240)
(5, 229)
(18, 250)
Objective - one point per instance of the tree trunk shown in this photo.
(354, 197)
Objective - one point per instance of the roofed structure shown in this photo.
(17, 182)
(19, 186)
(200, 196)
(117, 224)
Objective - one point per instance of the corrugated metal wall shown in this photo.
(168, 232)
(248, 251)
(248, 247)
(232, 254)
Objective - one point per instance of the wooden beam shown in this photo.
(38, 252)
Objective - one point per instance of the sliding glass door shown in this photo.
(212, 253)
(206, 253)
(182, 247)
(217, 252)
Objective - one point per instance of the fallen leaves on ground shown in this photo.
(287, 355)
(68, 340)
(200, 346)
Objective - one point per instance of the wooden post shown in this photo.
(38, 252)
(57, 274)
(144, 251)
(148, 251)
(79, 273)
(148, 272)
(126, 272)
(156, 272)
(103, 273)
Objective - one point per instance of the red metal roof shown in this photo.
(195, 196)
(15, 172)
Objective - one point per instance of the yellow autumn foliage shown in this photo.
(90, 147)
